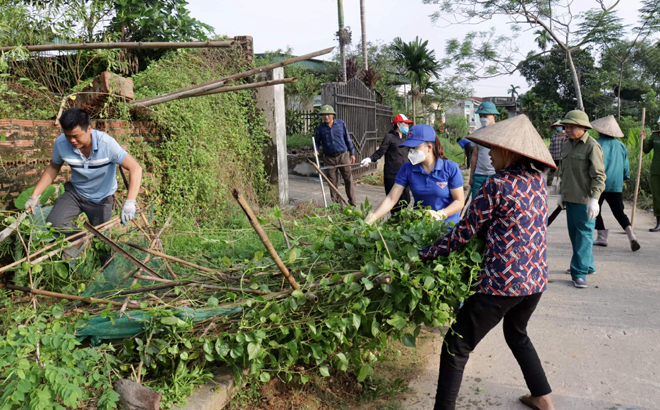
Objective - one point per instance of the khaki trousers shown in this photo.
(342, 159)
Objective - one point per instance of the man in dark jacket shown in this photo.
(395, 157)
(332, 136)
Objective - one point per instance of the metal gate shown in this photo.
(367, 121)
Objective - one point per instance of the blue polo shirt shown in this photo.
(463, 142)
(334, 140)
(95, 177)
(432, 189)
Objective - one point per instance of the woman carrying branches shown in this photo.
(434, 180)
(511, 210)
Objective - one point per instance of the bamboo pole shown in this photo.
(264, 238)
(330, 184)
(286, 236)
(639, 168)
(6, 233)
(85, 235)
(63, 295)
(122, 45)
(213, 84)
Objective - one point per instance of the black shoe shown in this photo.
(580, 283)
(657, 227)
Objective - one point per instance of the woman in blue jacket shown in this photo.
(617, 169)
(433, 180)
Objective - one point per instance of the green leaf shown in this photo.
(293, 255)
(409, 340)
(365, 371)
(304, 379)
(324, 371)
(277, 212)
(57, 311)
(356, 321)
(258, 255)
(264, 377)
(170, 320)
(253, 350)
(397, 321)
(213, 301)
(368, 285)
(375, 328)
(317, 350)
(476, 257)
(297, 293)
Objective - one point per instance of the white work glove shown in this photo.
(31, 204)
(128, 211)
(560, 203)
(592, 208)
(370, 219)
(437, 215)
(365, 162)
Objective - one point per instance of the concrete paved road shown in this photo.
(600, 346)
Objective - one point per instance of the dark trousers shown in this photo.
(404, 200)
(615, 201)
(551, 174)
(341, 159)
(468, 154)
(475, 319)
(71, 204)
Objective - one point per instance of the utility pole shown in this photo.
(364, 35)
(341, 34)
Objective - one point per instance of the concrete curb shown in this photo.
(214, 395)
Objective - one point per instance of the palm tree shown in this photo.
(543, 38)
(417, 63)
(513, 91)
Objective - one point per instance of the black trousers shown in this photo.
(475, 319)
(615, 201)
(71, 204)
(468, 154)
(404, 200)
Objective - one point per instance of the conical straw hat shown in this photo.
(607, 126)
(517, 135)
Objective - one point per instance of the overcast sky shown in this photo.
(310, 25)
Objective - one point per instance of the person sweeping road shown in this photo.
(582, 177)
(434, 180)
(653, 144)
(617, 170)
(395, 157)
(511, 210)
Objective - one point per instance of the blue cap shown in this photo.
(418, 135)
(487, 108)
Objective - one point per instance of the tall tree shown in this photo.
(417, 63)
(569, 32)
(342, 34)
(542, 39)
(363, 22)
(513, 91)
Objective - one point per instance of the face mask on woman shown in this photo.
(403, 129)
(484, 121)
(416, 156)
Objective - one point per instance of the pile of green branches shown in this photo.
(360, 287)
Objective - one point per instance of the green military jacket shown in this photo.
(582, 170)
(653, 144)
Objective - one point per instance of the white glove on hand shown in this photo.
(370, 219)
(593, 209)
(365, 162)
(437, 215)
(128, 211)
(31, 204)
(560, 203)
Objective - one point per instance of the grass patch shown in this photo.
(298, 141)
(372, 179)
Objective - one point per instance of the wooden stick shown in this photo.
(6, 233)
(172, 258)
(334, 188)
(264, 238)
(122, 45)
(286, 236)
(62, 295)
(639, 168)
(213, 84)
(87, 235)
(248, 86)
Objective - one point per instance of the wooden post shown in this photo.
(639, 167)
(264, 238)
(330, 184)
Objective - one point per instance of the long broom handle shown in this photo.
(639, 167)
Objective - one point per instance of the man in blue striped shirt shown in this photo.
(93, 157)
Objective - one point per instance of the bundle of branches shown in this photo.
(357, 286)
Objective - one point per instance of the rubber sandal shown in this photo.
(527, 401)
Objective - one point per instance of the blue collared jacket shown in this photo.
(335, 140)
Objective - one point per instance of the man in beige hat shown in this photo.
(617, 169)
(556, 141)
(512, 211)
(338, 151)
(582, 177)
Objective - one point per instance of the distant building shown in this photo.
(467, 109)
(509, 103)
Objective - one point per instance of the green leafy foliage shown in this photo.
(20, 201)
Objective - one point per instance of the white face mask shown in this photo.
(416, 156)
(484, 122)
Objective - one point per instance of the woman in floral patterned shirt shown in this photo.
(511, 210)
